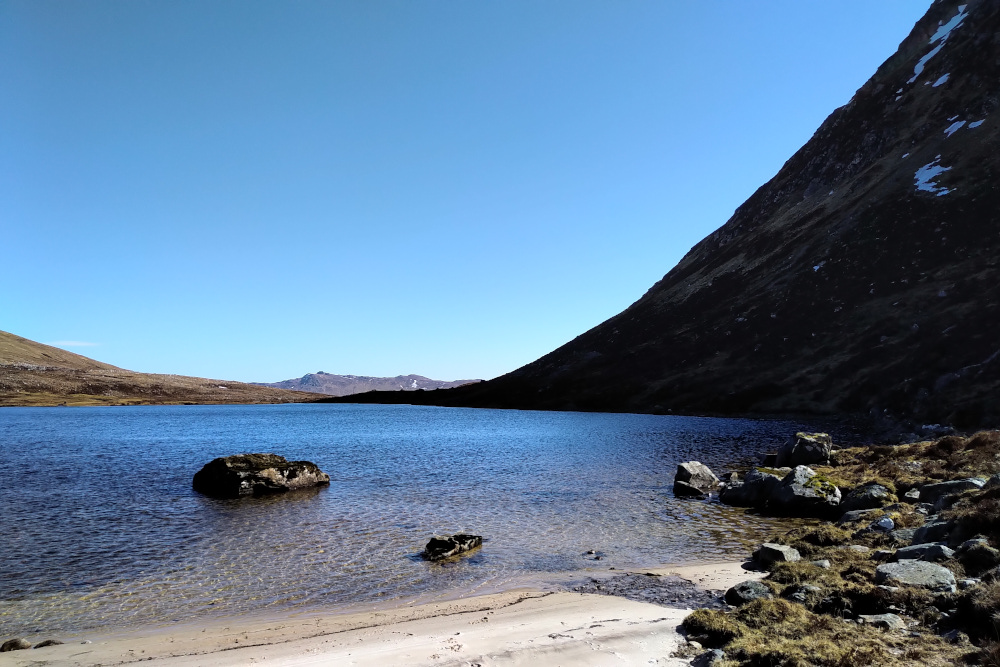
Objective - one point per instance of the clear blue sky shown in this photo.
(255, 190)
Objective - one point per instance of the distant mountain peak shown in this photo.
(346, 385)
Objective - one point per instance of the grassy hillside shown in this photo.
(33, 374)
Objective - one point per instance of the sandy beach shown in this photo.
(518, 627)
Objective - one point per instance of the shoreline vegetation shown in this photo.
(821, 593)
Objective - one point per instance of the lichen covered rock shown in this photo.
(804, 493)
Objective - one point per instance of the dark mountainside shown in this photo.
(861, 280)
(344, 385)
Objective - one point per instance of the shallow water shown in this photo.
(100, 528)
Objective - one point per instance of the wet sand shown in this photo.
(518, 627)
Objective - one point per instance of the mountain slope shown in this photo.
(345, 385)
(35, 374)
(862, 278)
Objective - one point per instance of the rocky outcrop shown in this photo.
(805, 449)
(439, 548)
(918, 574)
(256, 475)
(804, 493)
(694, 479)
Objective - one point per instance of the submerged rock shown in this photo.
(255, 475)
(439, 548)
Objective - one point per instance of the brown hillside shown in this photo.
(35, 374)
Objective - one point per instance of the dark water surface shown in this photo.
(99, 527)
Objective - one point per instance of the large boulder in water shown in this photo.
(256, 475)
(439, 548)
(696, 476)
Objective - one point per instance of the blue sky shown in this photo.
(255, 190)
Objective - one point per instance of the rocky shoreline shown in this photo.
(904, 568)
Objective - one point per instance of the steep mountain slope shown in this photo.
(345, 385)
(35, 374)
(862, 278)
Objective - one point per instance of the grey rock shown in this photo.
(856, 515)
(823, 563)
(803, 493)
(869, 496)
(48, 642)
(964, 584)
(753, 491)
(912, 496)
(16, 644)
(747, 591)
(441, 547)
(883, 621)
(802, 594)
(924, 508)
(685, 490)
(929, 493)
(882, 554)
(930, 552)
(770, 552)
(992, 483)
(916, 573)
(255, 475)
(806, 449)
(935, 531)
(858, 548)
(696, 474)
(903, 535)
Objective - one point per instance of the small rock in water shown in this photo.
(439, 548)
(16, 644)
